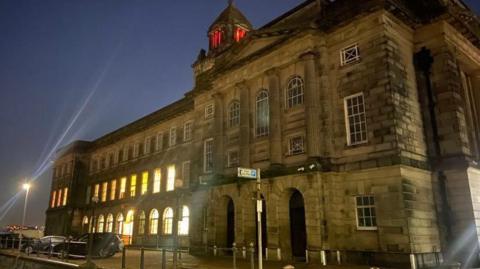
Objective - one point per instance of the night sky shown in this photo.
(104, 63)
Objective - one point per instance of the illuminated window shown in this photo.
(84, 223)
(216, 38)
(208, 155)
(173, 137)
(96, 192)
(157, 180)
(109, 227)
(209, 111)
(123, 183)
(144, 183)
(184, 223)
(240, 33)
(113, 189)
(187, 131)
(234, 114)
(171, 178)
(296, 145)
(232, 158)
(104, 191)
(349, 55)
(119, 226)
(100, 224)
(65, 196)
(59, 198)
(141, 223)
(168, 221)
(366, 216)
(295, 92)
(262, 114)
(133, 185)
(186, 173)
(54, 198)
(355, 119)
(153, 227)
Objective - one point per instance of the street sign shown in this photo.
(247, 173)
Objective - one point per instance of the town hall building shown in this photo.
(363, 116)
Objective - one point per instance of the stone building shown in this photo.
(363, 117)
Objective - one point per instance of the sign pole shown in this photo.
(259, 220)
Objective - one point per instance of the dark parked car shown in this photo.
(44, 244)
(104, 245)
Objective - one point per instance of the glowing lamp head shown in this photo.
(26, 186)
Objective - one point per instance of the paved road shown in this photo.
(153, 260)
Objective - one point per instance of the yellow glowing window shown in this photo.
(168, 221)
(184, 223)
(96, 190)
(153, 227)
(123, 183)
(171, 178)
(54, 196)
(59, 198)
(113, 189)
(133, 185)
(104, 191)
(144, 182)
(65, 196)
(157, 180)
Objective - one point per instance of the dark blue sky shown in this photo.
(135, 56)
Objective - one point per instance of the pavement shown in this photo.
(153, 260)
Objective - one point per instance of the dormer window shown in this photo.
(240, 33)
(216, 38)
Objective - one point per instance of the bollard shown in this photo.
(252, 256)
(413, 262)
(306, 256)
(279, 254)
(323, 258)
(215, 250)
(234, 252)
(142, 258)
(124, 250)
(164, 259)
(50, 249)
(339, 257)
(64, 250)
(244, 252)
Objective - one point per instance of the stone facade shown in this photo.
(414, 69)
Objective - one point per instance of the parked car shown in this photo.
(43, 245)
(104, 245)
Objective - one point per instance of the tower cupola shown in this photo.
(231, 26)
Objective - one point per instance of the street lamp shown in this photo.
(26, 187)
(89, 263)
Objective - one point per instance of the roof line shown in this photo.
(287, 14)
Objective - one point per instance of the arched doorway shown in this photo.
(264, 225)
(128, 228)
(298, 231)
(230, 223)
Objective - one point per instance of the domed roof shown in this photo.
(231, 15)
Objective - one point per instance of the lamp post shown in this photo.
(90, 234)
(26, 187)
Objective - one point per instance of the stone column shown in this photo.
(219, 134)
(275, 117)
(312, 105)
(245, 127)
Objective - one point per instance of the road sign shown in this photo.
(247, 173)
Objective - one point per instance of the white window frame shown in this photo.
(172, 139)
(205, 170)
(234, 114)
(347, 120)
(365, 228)
(229, 159)
(159, 145)
(136, 150)
(349, 54)
(188, 132)
(265, 131)
(209, 111)
(298, 99)
(290, 148)
(146, 146)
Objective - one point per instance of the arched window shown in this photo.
(141, 223)
(216, 38)
(153, 221)
(295, 89)
(262, 114)
(100, 223)
(109, 227)
(234, 114)
(168, 221)
(119, 226)
(184, 223)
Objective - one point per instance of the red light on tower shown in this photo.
(240, 33)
